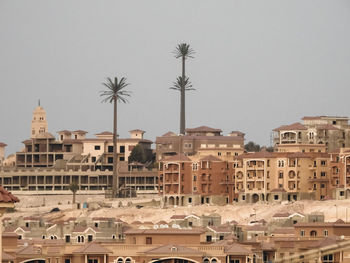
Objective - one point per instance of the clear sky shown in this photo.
(258, 64)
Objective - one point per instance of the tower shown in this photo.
(39, 123)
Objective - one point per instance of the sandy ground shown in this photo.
(242, 213)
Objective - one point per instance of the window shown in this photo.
(322, 185)
(315, 186)
(323, 163)
(194, 178)
(221, 237)
(110, 149)
(341, 193)
(109, 159)
(27, 224)
(209, 238)
(122, 158)
(280, 175)
(93, 260)
(194, 166)
(302, 233)
(43, 237)
(90, 237)
(80, 239)
(313, 233)
(219, 153)
(280, 163)
(148, 240)
(190, 199)
(323, 174)
(275, 197)
(93, 159)
(122, 149)
(61, 137)
(67, 238)
(328, 258)
(97, 147)
(67, 260)
(325, 232)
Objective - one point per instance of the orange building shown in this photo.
(193, 180)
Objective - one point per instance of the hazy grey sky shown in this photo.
(258, 64)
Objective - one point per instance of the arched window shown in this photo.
(120, 260)
(128, 260)
(206, 260)
(214, 260)
(313, 233)
(80, 239)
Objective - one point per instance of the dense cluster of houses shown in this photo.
(184, 238)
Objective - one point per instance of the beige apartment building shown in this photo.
(331, 131)
(201, 141)
(266, 176)
(47, 163)
(253, 177)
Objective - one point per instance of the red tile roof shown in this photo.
(237, 249)
(92, 248)
(165, 231)
(7, 197)
(3, 144)
(295, 126)
(169, 133)
(281, 214)
(177, 158)
(80, 131)
(65, 131)
(203, 129)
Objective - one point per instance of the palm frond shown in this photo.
(115, 90)
(182, 83)
(183, 50)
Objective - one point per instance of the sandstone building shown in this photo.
(201, 141)
(330, 131)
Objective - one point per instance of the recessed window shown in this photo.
(97, 147)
